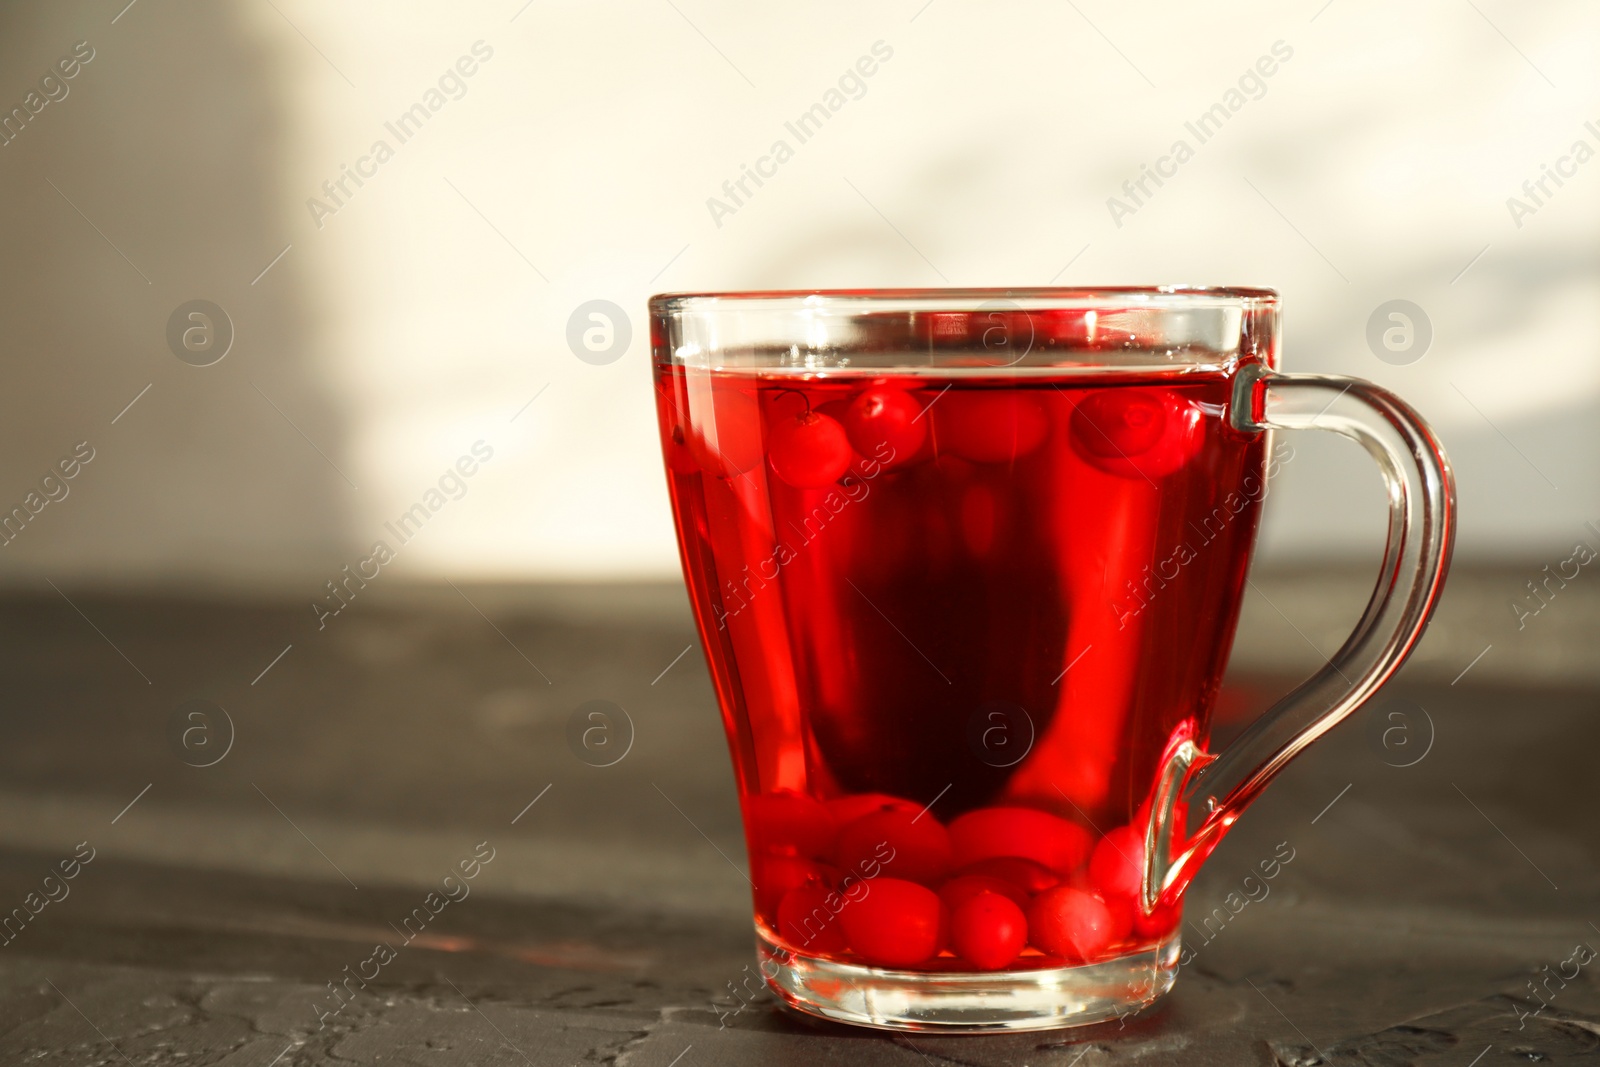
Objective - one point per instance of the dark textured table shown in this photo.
(1431, 913)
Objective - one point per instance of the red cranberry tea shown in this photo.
(957, 621)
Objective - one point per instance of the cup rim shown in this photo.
(1166, 297)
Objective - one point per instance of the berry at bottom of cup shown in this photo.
(808, 923)
(1028, 833)
(962, 888)
(1124, 915)
(1026, 875)
(1158, 924)
(897, 842)
(988, 931)
(775, 874)
(1072, 924)
(848, 809)
(1116, 866)
(895, 924)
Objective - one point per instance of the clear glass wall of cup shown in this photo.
(967, 566)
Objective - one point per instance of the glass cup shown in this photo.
(967, 566)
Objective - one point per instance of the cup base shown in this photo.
(970, 1002)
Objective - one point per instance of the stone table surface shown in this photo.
(1432, 913)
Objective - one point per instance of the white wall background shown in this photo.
(425, 313)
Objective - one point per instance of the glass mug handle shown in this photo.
(1421, 493)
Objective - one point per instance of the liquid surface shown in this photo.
(953, 624)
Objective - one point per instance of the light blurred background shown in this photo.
(576, 164)
(375, 345)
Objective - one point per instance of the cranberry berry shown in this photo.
(848, 809)
(1026, 875)
(809, 450)
(775, 874)
(1116, 867)
(907, 844)
(962, 888)
(790, 822)
(808, 923)
(1028, 833)
(988, 931)
(886, 424)
(1136, 433)
(895, 924)
(1072, 924)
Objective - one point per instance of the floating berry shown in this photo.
(963, 887)
(896, 924)
(1136, 433)
(1026, 833)
(1119, 422)
(1072, 924)
(807, 922)
(809, 450)
(791, 822)
(905, 844)
(886, 424)
(988, 931)
(849, 809)
(1116, 866)
(1026, 875)
(991, 427)
(725, 432)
